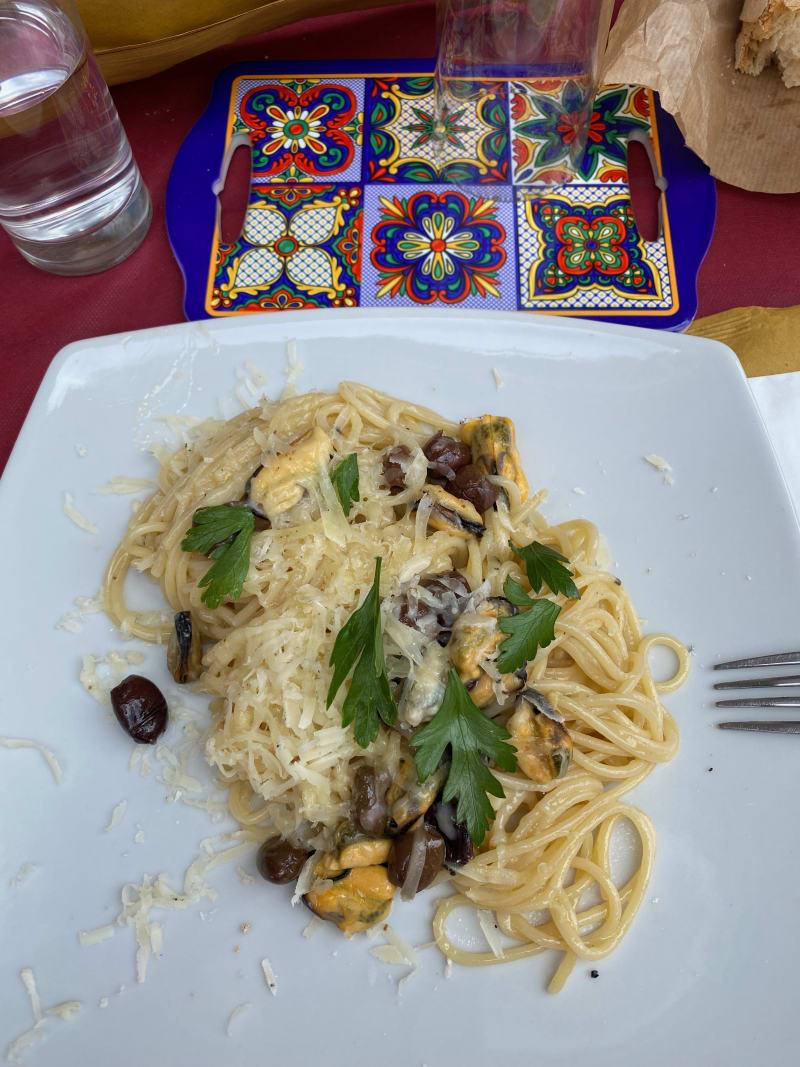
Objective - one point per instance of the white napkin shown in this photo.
(777, 398)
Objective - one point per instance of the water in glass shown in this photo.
(71, 196)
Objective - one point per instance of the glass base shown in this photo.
(100, 249)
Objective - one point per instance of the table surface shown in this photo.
(751, 259)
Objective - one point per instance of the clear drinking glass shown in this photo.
(548, 50)
(71, 196)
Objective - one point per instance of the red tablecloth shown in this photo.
(751, 259)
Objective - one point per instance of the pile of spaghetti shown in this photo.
(544, 867)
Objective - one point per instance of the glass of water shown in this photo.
(71, 196)
(547, 50)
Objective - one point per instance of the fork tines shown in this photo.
(788, 658)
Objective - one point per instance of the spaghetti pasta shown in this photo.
(545, 866)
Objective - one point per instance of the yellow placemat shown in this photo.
(136, 38)
(766, 340)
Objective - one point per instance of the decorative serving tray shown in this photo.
(351, 204)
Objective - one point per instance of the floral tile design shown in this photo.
(400, 145)
(308, 130)
(438, 245)
(300, 247)
(582, 249)
(545, 115)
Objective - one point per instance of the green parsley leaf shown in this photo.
(514, 592)
(223, 533)
(369, 697)
(470, 734)
(527, 632)
(345, 481)
(545, 567)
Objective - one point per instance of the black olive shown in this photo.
(458, 847)
(395, 463)
(369, 806)
(447, 452)
(140, 708)
(471, 484)
(280, 861)
(457, 585)
(403, 846)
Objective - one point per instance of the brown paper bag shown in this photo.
(746, 129)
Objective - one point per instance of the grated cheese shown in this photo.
(81, 450)
(117, 815)
(79, 519)
(65, 1010)
(47, 755)
(240, 1010)
(102, 1002)
(448, 968)
(23, 874)
(244, 877)
(499, 381)
(313, 926)
(269, 977)
(120, 485)
(578, 491)
(28, 980)
(306, 877)
(94, 937)
(658, 462)
(491, 933)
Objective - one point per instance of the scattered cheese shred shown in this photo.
(25, 742)
(306, 877)
(121, 485)
(94, 937)
(658, 462)
(28, 980)
(244, 877)
(80, 520)
(448, 968)
(578, 491)
(491, 933)
(498, 378)
(117, 815)
(23, 874)
(311, 928)
(81, 450)
(65, 1010)
(237, 1011)
(269, 977)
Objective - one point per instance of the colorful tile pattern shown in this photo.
(585, 248)
(544, 116)
(347, 212)
(307, 130)
(300, 247)
(400, 146)
(441, 245)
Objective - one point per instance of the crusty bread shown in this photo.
(770, 33)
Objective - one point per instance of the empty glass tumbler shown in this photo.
(547, 51)
(71, 196)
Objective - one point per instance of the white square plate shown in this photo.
(708, 972)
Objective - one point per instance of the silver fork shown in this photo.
(773, 681)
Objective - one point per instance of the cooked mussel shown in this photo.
(185, 649)
(423, 692)
(453, 514)
(494, 448)
(355, 902)
(363, 852)
(278, 485)
(409, 798)
(543, 743)
(475, 638)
